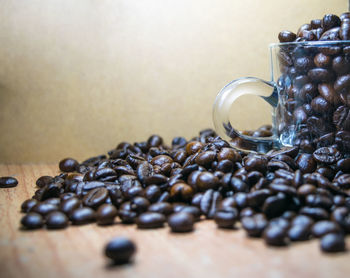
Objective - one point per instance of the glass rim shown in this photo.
(309, 43)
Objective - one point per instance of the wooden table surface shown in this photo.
(207, 252)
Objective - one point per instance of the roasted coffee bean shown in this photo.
(258, 197)
(56, 220)
(306, 163)
(322, 61)
(229, 154)
(210, 203)
(341, 118)
(181, 222)
(82, 216)
(106, 214)
(44, 209)
(254, 225)
(286, 36)
(155, 141)
(139, 204)
(161, 207)
(206, 180)
(150, 220)
(343, 181)
(341, 216)
(299, 233)
(326, 155)
(333, 243)
(161, 159)
(275, 235)
(328, 93)
(95, 197)
(152, 193)
(32, 220)
(226, 218)
(68, 165)
(319, 105)
(342, 82)
(120, 250)
(315, 213)
(7, 182)
(44, 180)
(67, 206)
(274, 206)
(194, 211)
(27, 205)
(205, 158)
(255, 163)
(324, 227)
(181, 192)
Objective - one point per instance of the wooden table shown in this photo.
(207, 252)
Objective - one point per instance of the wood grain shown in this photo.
(207, 252)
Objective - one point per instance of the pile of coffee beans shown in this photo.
(314, 103)
(283, 196)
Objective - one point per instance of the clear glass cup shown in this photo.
(310, 99)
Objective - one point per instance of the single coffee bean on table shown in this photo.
(7, 182)
(120, 250)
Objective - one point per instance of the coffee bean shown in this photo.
(27, 205)
(324, 227)
(106, 214)
(56, 220)
(7, 182)
(327, 155)
(341, 216)
(330, 21)
(32, 220)
(67, 206)
(286, 36)
(275, 235)
(306, 163)
(333, 243)
(299, 232)
(95, 197)
(206, 158)
(206, 180)
(68, 165)
(342, 82)
(181, 222)
(341, 118)
(274, 206)
(255, 163)
(315, 213)
(162, 208)
(150, 220)
(181, 192)
(44, 209)
(254, 225)
(120, 250)
(210, 203)
(320, 75)
(328, 93)
(322, 61)
(139, 204)
(82, 216)
(194, 211)
(226, 218)
(44, 180)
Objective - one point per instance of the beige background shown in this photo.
(77, 77)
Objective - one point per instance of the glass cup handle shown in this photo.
(222, 106)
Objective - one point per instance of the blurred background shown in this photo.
(78, 77)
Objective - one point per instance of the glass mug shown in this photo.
(310, 98)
